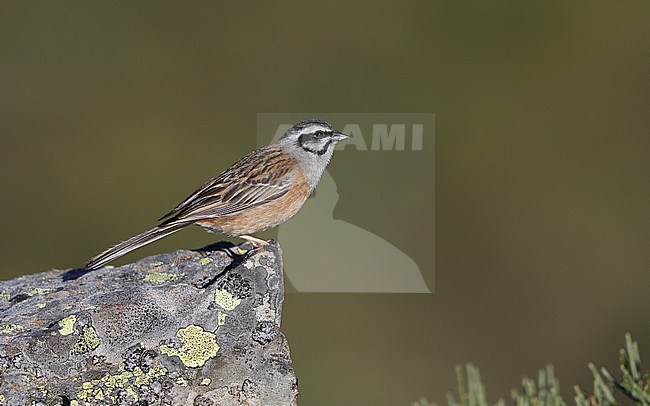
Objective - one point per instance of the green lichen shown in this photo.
(4, 295)
(108, 387)
(87, 341)
(10, 328)
(206, 381)
(163, 277)
(225, 299)
(40, 305)
(39, 291)
(221, 318)
(2, 399)
(197, 347)
(241, 251)
(205, 261)
(67, 325)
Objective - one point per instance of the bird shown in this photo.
(260, 191)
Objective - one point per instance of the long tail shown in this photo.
(133, 243)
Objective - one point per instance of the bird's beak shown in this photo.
(339, 136)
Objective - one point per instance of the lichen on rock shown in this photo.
(197, 346)
(87, 340)
(184, 328)
(67, 325)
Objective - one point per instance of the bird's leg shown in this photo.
(250, 244)
(256, 242)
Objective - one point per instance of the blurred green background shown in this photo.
(112, 112)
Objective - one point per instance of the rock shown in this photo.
(184, 328)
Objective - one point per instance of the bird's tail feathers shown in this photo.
(133, 243)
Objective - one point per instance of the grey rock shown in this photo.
(184, 328)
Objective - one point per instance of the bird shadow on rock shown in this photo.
(237, 253)
(75, 273)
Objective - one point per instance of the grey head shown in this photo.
(312, 143)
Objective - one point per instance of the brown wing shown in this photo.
(258, 178)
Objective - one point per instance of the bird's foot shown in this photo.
(254, 241)
(251, 244)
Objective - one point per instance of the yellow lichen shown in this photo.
(87, 341)
(206, 381)
(225, 299)
(39, 291)
(10, 328)
(205, 261)
(4, 295)
(40, 305)
(163, 277)
(197, 347)
(108, 386)
(99, 395)
(221, 318)
(67, 325)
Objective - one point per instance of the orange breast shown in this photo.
(260, 218)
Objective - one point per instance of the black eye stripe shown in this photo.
(319, 151)
(318, 135)
(304, 143)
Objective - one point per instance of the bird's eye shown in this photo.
(319, 134)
